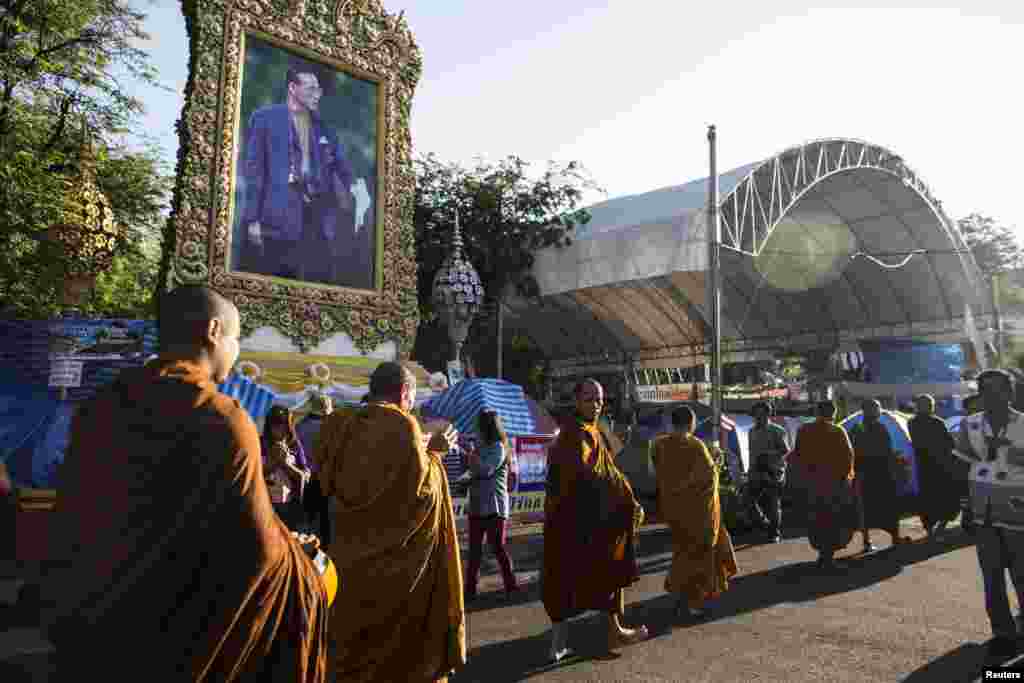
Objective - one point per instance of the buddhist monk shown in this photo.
(401, 615)
(171, 562)
(703, 560)
(939, 497)
(824, 458)
(591, 518)
(878, 490)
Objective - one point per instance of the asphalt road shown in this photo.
(914, 613)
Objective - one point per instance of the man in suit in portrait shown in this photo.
(298, 208)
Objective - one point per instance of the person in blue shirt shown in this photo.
(489, 500)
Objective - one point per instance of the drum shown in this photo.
(325, 568)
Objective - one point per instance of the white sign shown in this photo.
(455, 372)
(663, 393)
(66, 374)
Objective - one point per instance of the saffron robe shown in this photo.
(591, 519)
(703, 559)
(824, 460)
(875, 462)
(937, 469)
(401, 615)
(166, 538)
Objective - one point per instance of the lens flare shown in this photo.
(806, 251)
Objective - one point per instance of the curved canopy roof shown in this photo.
(805, 235)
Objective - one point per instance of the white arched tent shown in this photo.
(804, 237)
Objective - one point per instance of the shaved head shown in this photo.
(589, 399)
(925, 404)
(684, 418)
(584, 384)
(393, 382)
(826, 409)
(186, 312)
(197, 323)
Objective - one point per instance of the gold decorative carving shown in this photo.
(356, 36)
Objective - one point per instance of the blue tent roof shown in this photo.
(256, 399)
(461, 404)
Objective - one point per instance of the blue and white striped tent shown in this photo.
(256, 399)
(461, 404)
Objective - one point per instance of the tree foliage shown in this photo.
(995, 246)
(68, 71)
(505, 214)
(68, 57)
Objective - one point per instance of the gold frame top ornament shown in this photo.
(356, 36)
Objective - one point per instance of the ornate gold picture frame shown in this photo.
(359, 40)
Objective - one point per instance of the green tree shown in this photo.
(995, 246)
(69, 57)
(66, 65)
(506, 214)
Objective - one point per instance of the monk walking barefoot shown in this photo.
(591, 518)
(703, 560)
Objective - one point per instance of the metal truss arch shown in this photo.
(640, 270)
(752, 209)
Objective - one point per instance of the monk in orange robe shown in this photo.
(170, 561)
(400, 616)
(591, 518)
(824, 459)
(703, 559)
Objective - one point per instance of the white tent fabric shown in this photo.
(632, 286)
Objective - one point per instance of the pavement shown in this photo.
(913, 613)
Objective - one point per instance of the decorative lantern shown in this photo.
(87, 237)
(457, 293)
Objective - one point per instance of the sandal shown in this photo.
(627, 637)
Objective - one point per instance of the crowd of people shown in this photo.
(180, 524)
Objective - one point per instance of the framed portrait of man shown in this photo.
(306, 179)
(294, 190)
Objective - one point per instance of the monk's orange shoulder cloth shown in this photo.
(823, 452)
(171, 562)
(399, 615)
(590, 521)
(686, 474)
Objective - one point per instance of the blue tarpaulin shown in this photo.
(462, 403)
(51, 446)
(908, 361)
(256, 399)
(34, 423)
(25, 414)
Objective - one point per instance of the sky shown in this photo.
(628, 87)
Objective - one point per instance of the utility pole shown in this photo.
(714, 291)
(997, 320)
